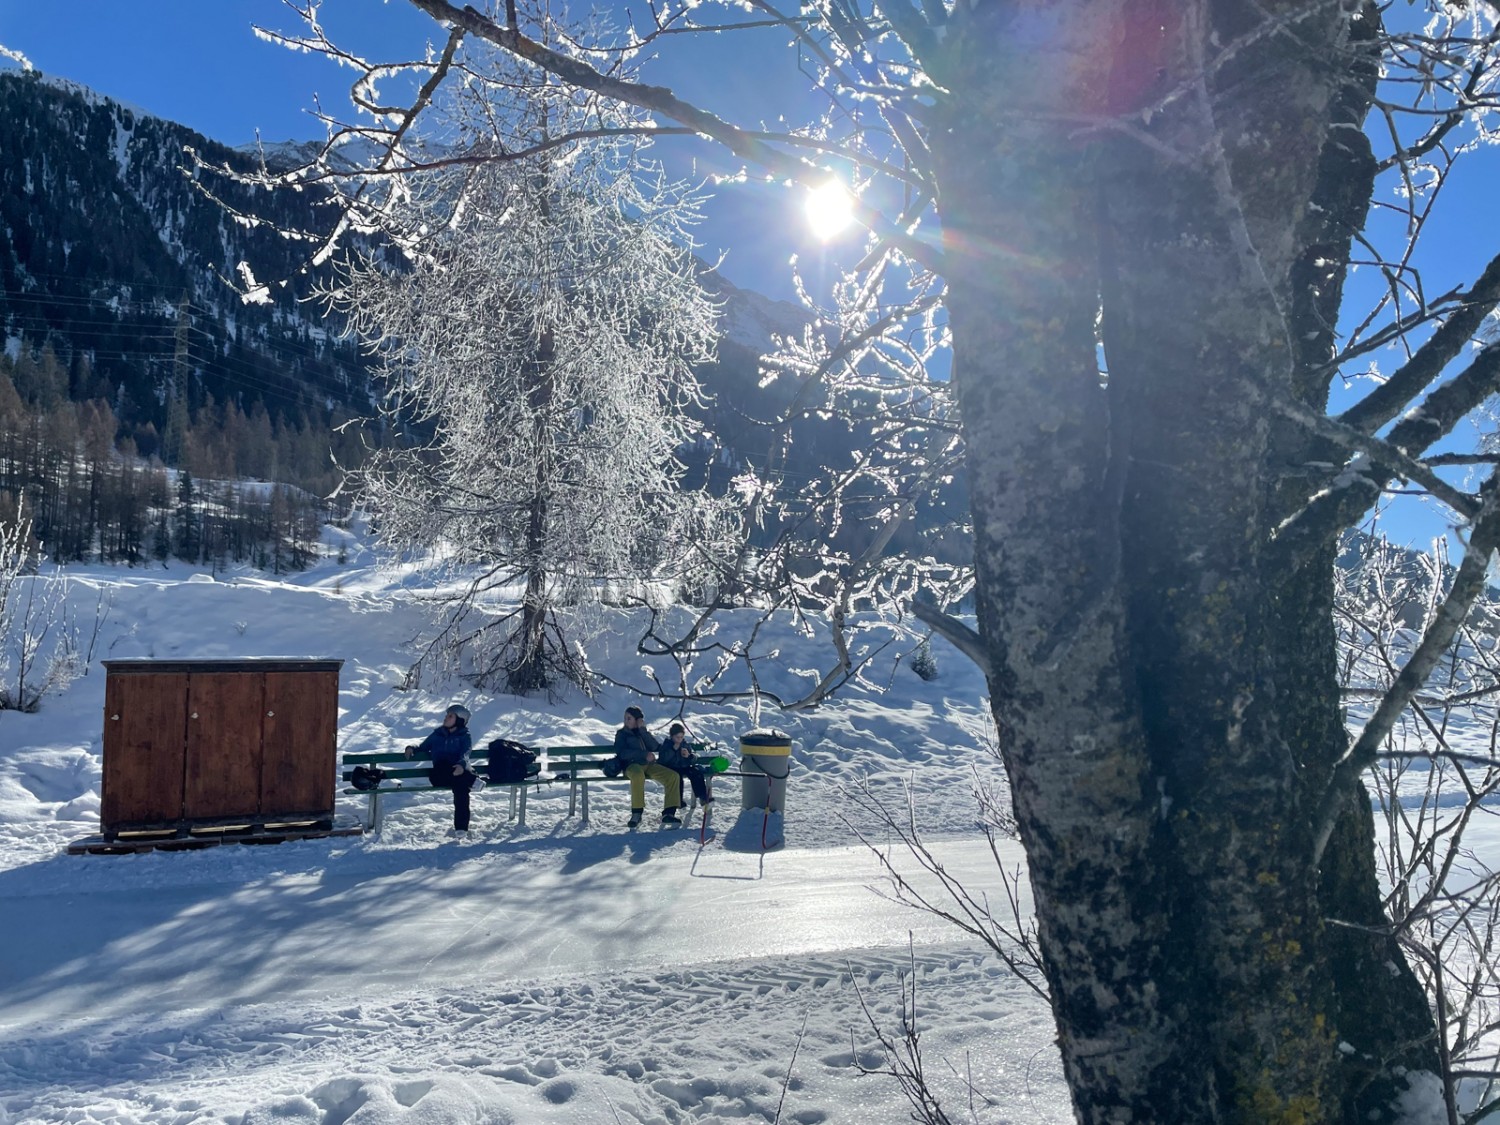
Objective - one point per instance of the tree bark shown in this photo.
(1165, 694)
(528, 670)
(1019, 218)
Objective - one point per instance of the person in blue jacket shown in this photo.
(449, 747)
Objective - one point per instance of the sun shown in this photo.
(830, 210)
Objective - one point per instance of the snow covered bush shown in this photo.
(38, 645)
(1434, 786)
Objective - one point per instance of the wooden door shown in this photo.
(300, 729)
(222, 770)
(145, 733)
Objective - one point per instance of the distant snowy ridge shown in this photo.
(750, 319)
(87, 93)
(351, 155)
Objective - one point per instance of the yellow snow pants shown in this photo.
(670, 779)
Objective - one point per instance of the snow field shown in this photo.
(564, 972)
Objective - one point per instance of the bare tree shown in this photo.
(900, 1053)
(1436, 771)
(1181, 191)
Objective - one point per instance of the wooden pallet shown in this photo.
(172, 839)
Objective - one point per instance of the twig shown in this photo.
(791, 1063)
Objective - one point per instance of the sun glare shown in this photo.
(830, 209)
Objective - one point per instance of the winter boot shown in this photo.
(669, 818)
(635, 818)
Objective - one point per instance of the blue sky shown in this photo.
(197, 62)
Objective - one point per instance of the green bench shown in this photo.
(577, 766)
(585, 765)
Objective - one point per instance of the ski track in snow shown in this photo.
(531, 1048)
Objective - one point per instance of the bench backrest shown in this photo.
(578, 760)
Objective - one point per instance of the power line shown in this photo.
(279, 350)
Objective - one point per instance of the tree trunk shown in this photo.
(1019, 219)
(1163, 683)
(528, 669)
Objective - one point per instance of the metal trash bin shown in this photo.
(765, 761)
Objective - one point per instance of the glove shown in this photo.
(409, 751)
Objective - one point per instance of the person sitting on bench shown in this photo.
(677, 755)
(636, 747)
(449, 747)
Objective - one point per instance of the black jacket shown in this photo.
(632, 746)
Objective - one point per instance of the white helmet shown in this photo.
(459, 712)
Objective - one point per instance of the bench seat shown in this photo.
(577, 766)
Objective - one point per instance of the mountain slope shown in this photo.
(110, 254)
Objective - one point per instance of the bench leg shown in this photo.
(512, 815)
(375, 814)
(584, 783)
(521, 820)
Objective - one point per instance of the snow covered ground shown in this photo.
(563, 972)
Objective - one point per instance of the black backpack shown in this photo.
(511, 761)
(366, 777)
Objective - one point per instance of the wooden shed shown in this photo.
(201, 743)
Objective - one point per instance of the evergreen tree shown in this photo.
(188, 542)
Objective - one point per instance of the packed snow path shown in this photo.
(463, 912)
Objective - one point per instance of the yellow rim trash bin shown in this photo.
(765, 761)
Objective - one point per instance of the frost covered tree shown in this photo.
(1180, 189)
(540, 333)
(38, 640)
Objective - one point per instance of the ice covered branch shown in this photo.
(1468, 584)
(659, 99)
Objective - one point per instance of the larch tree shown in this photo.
(538, 335)
(1178, 188)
